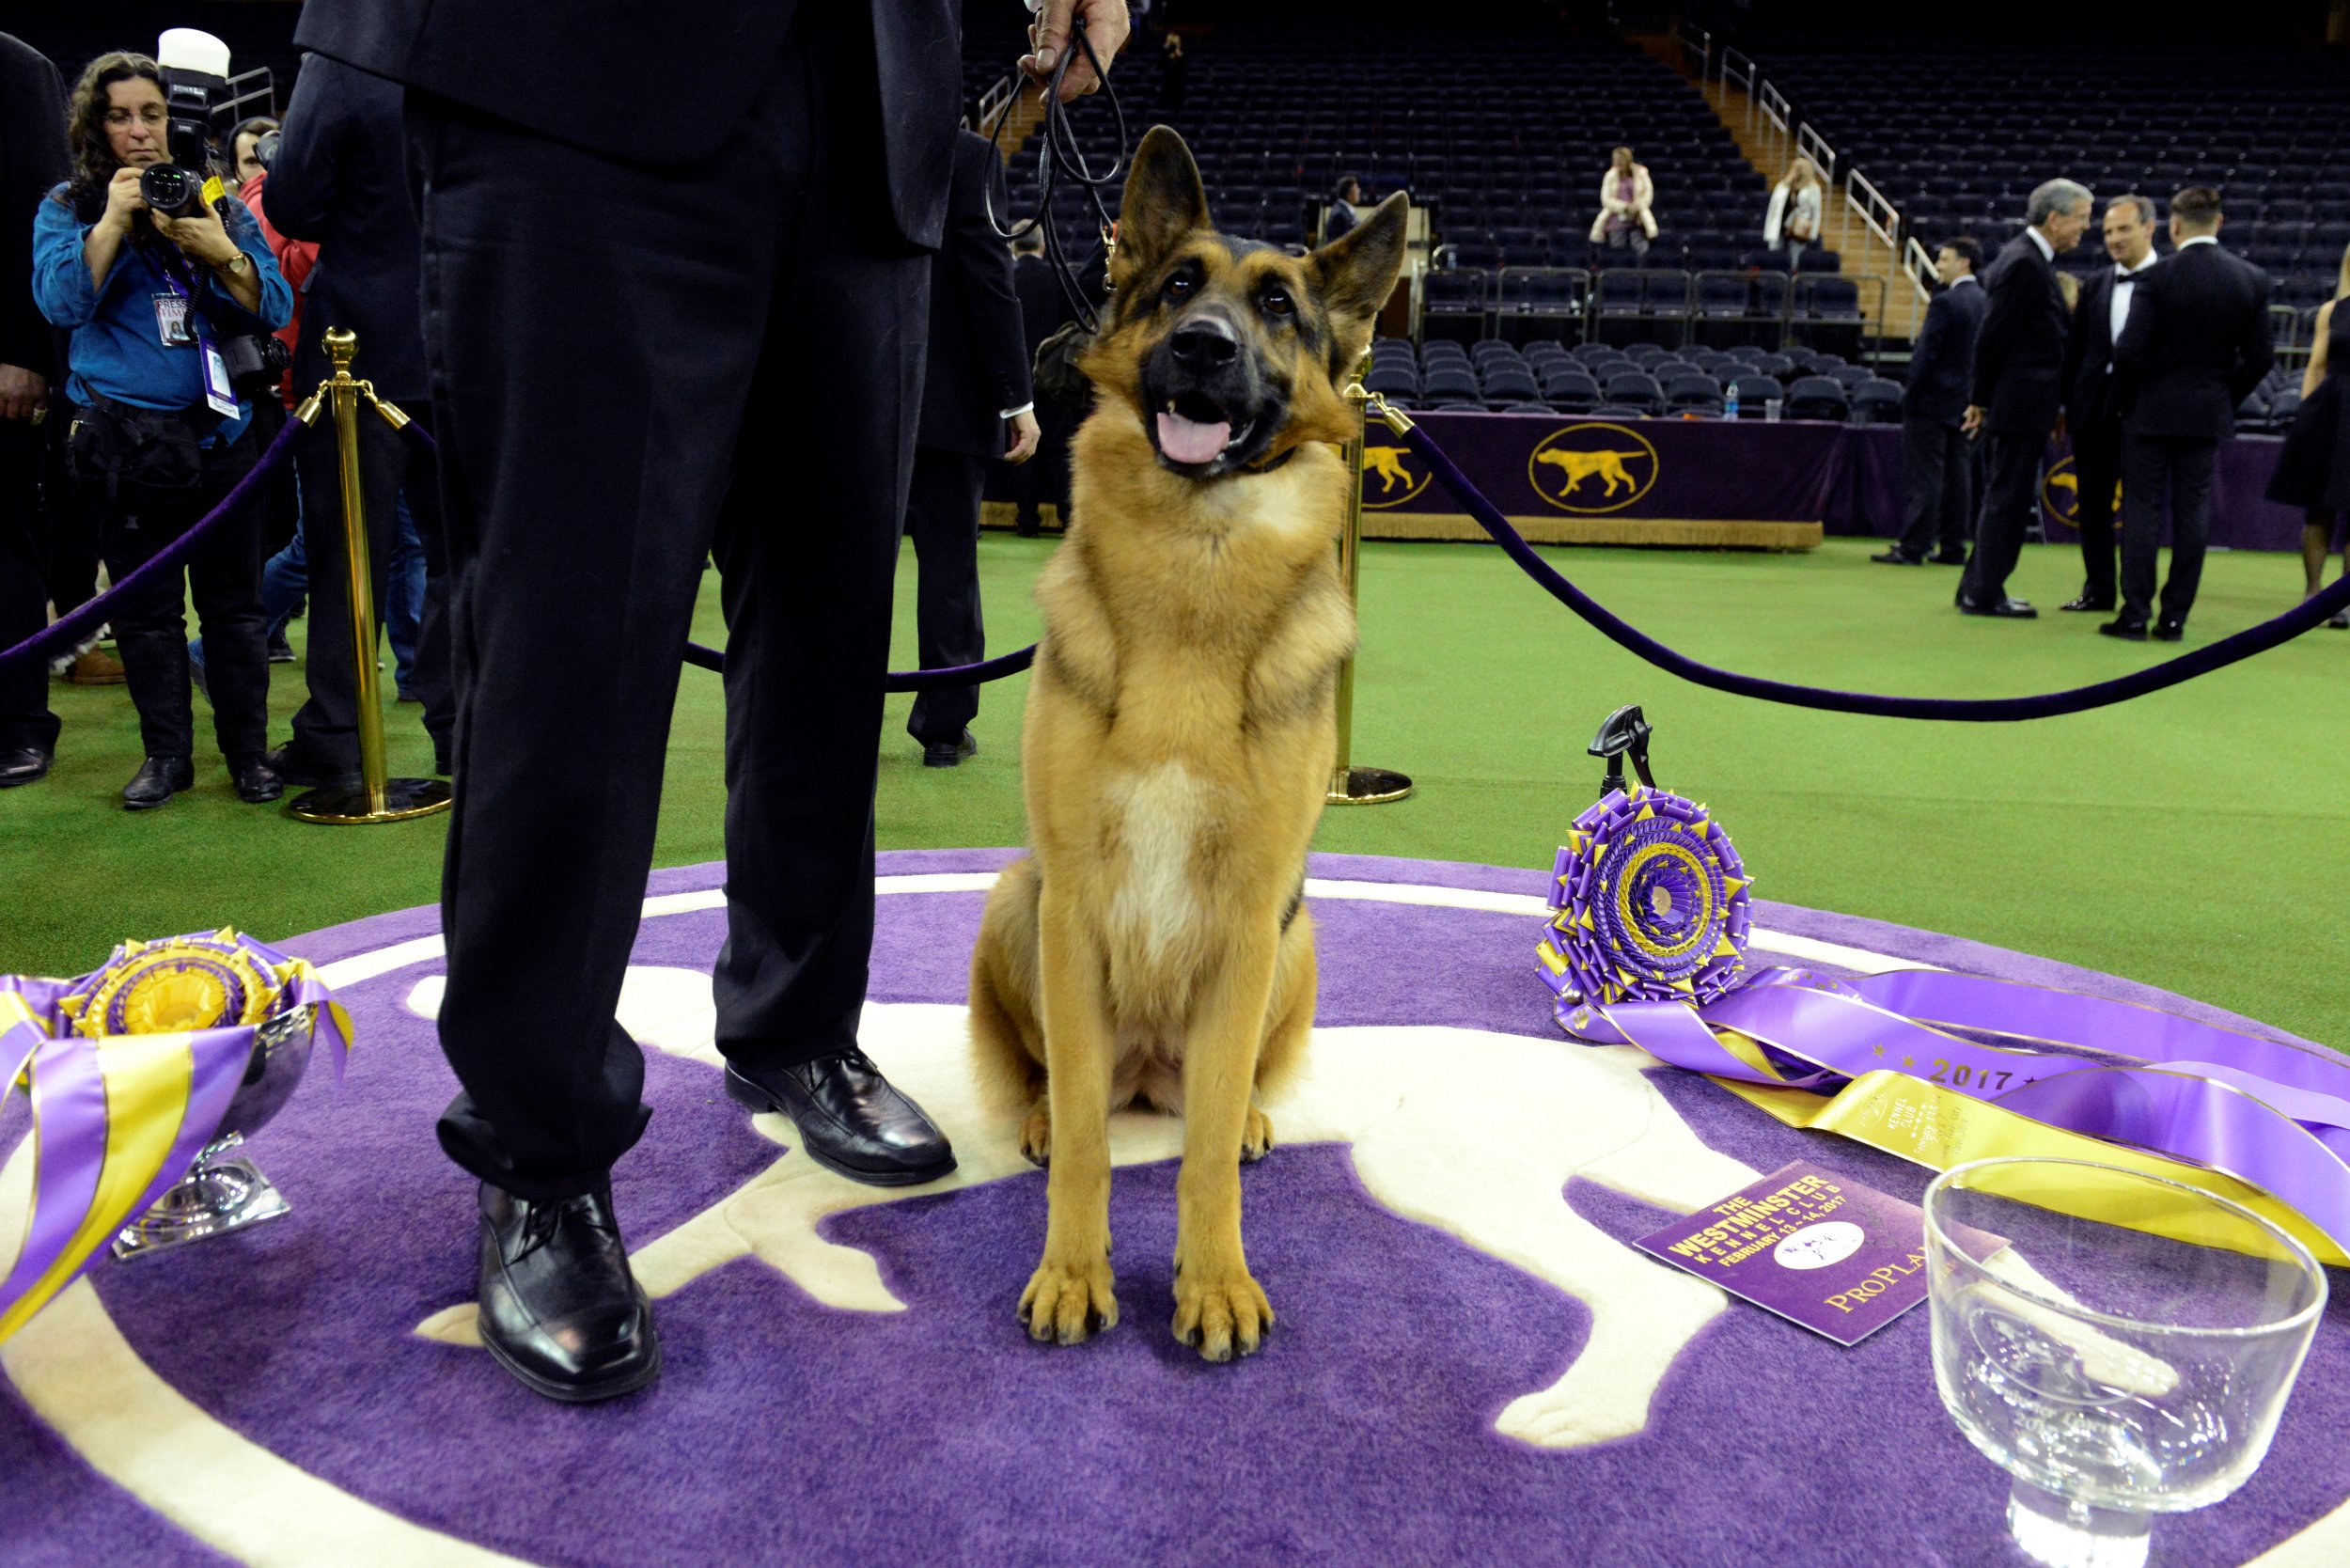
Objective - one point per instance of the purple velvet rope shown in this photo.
(73, 627)
(2170, 672)
(896, 680)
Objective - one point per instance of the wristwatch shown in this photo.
(237, 265)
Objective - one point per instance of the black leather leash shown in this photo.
(1060, 158)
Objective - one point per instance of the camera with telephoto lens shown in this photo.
(169, 189)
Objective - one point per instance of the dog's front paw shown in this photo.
(1036, 1134)
(1223, 1313)
(1069, 1302)
(1256, 1139)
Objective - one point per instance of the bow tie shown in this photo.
(2138, 276)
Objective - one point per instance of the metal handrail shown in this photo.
(266, 91)
(998, 98)
(1814, 147)
(1919, 267)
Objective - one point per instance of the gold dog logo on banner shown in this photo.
(1391, 476)
(1592, 467)
(2061, 495)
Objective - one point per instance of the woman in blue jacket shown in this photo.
(158, 433)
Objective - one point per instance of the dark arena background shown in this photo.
(1704, 429)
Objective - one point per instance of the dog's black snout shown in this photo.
(1204, 343)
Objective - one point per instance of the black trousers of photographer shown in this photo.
(223, 576)
(725, 357)
(326, 729)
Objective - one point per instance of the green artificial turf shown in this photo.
(2193, 839)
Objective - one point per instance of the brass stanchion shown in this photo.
(1350, 785)
(378, 797)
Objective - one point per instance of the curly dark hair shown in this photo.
(94, 160)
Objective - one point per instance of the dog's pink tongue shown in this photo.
(1189, 441)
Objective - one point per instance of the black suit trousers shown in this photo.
(24, 716)
(943, 520)
(2156, 468)
(727, 360)
(223, 577)
(2096, 469)
(325, 728)
(2010, 470)
(1937, 488)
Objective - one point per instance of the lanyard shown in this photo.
(218, 394)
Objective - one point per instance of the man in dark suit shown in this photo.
(678, 289)
(338, 179)
(1044, 311)
(1937, 481)
(975, 393)
(2093, 411)
(2019, 362)
(1342, 215)
(2196, 344)
(32, 160)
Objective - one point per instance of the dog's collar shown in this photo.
(1270, 464)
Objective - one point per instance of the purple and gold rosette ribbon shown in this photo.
(1939, 1068)
(130, 1070)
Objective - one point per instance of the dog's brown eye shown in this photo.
(1277, 303)
(1179, 287)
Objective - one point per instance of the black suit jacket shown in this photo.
(1043, 308)
(2196, 344)
(340, 179)
(2019, 360)
(1942, 364)
(2091, 390)
(661, 83)
(979, 355)
(32, 162)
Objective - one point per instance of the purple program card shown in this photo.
(1838, 1257)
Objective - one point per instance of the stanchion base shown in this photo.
(403, 798)
(1367, 787)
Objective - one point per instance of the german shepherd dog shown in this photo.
(1152, 948)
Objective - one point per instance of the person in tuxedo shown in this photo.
(1344, 214)
(2092, 414)
(339, 181)
(2019, 360)
(32, 160)
(678, 287)
(2196, 344)
(1044, 311)
(1937, 481)
(975, 408)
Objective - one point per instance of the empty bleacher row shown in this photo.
(1638, 381)
(1956, 141)
(1627, 305)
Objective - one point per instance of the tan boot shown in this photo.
(95, 668)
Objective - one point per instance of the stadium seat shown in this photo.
(1635, 390)
(1511, 383)
(1527, 407)
(1694, 393)
(1570, 391)
(1816, 397)
(1754, 390)
(1444, 381)
(1877, 401)
(1393, 379)
(1780, 365)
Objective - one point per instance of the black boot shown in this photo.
(850, 1119)
(558, 1307)
(158, 779)
(256, 783)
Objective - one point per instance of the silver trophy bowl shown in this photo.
(220, 1194)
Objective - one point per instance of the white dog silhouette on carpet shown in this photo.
(1543, 1112)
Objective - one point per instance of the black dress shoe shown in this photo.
(1949, 558)
(849, 1118)
(2340, 623)
(301, 773)
(558, 1307)
(2010, 609)
(280, 650)
(2128, 628)
(2098, 604)
(23, 765)
(2169, 629)
(254, 782)
(1898, 556)
(948, 754)
(158, 779)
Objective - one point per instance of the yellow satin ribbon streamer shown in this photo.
(1932, 1125)
(148, 1078)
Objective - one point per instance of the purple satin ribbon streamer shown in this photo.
(2187, 1090)
(70, 1116)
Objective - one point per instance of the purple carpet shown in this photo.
(786, 1432)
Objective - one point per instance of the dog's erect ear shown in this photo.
(1356, 272)
(1163, 202)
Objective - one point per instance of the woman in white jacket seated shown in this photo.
(1794, 215)
(1625, 195)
